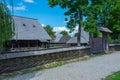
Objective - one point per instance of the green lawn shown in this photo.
(114, 76)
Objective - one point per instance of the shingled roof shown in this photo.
(104, 29)
(73, 40)
(29, 29)
(84, 38)
(62, 38)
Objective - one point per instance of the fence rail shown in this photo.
(40, 52)
(36, 48)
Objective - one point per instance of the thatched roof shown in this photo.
(62, 38)
(104, 29)
(29, 29)
(84, 38)
(73, 40)
(58, 36)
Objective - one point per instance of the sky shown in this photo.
(39, 9)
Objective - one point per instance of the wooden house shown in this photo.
(63, 39)
(84, 39)
(28, 33)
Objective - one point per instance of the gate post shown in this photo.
(105, 32)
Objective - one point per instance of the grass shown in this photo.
(114, 76)
(60, 63)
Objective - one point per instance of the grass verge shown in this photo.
(114, 76)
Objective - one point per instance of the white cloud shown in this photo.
(62, 28)
(59, 29)
(19, 7)
(43, 25)
(29, 1)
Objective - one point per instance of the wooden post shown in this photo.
(28, 44)
(107, 46)
(12, 46)
(105, 42)
(37, 45)
(90, 42)
(18, 45)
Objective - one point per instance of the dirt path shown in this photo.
(93, 69)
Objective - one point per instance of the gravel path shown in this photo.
(93, 69)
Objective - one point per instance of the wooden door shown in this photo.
(96, 45)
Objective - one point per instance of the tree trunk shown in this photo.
(90, 42)
(79, 35)
(79, 29)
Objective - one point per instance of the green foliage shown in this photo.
(76, 34)
(50, 31)
(114, 21)
(75, 11)
(114, 41)
(64, 32)
(104, 13)
(114, 76)
(109, 39)
(6, 24)
(97, 12)
(94, 17)
(90, 25)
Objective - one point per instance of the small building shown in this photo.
(73, 41)
(63, 39)
(100, 44)
(105, 31)
(84, 39)
(28, 33)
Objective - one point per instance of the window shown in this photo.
(24, 25)
(34, 26)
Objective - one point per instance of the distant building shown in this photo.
(84, 39)
(28, 33)
(63, 39)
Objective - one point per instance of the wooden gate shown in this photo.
(96, 45)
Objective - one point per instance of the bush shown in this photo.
(116, 41)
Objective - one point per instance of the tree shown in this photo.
(50, 31)
(104, 13)
(75, 11)
(114, 21)
(75, 35)
(64, 32)
(6, 24)
(94, 15)
(97, 13)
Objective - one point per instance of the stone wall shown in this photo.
(18, 61)
(114, 47)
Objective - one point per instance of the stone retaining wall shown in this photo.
(18, 61)
(114, 47)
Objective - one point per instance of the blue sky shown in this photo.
(40, 10)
